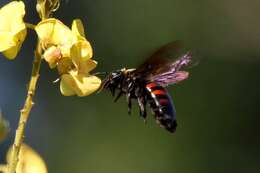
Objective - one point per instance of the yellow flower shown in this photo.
(53, 32)
(69, 51)
(78, 81)
(12, 28)
(29, 160)
(78, 84)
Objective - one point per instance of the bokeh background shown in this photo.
(217, 108)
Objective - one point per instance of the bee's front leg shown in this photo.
(118, 95)
(112, 90)
(129, 95)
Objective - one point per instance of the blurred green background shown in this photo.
(217, 108)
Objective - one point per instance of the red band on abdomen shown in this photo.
(159, 92)
(151, 85)
(163, 101)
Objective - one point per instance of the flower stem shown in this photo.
(25, 111)
(30, 26)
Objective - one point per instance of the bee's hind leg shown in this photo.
(129, 102)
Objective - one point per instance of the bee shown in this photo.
(147, 83)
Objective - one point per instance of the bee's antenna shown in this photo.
(104, 81)
(101, 73)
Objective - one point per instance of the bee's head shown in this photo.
(113, 80)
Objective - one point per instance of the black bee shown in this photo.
(146, 83)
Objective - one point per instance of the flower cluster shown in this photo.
(66, 49)
(69, 51)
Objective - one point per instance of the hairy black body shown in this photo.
(146, 85)
(134, 87)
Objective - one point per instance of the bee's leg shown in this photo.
(139, 93)
(112, 90)
(129, 96)
(129, 102)
(144, 112)
(118, 96)
(142, 105)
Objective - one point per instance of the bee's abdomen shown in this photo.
(162, 105)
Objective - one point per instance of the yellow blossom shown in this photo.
(78, 81)
(29, 161)
(78, 84)
(12, 28)
(69, 51)
(53, 32)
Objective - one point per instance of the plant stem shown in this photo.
(25, 111)
(30, 26)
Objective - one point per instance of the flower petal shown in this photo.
(7, 40)
(11, 52)
(81, 50)
(65, 85)
(29, 160)
(54, 32)
(12, 28)
(86, 66)
(18, 39)
(11, 17)
(79, 84)
(78, 28)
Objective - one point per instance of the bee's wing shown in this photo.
(161, 68)
(160, 61)
(173, 74)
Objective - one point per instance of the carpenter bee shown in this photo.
(146, 83)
